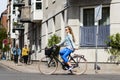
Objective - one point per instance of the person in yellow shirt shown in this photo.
(25, 52)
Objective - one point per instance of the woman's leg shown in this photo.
(65, 55)
(24, 59)
(62, 51)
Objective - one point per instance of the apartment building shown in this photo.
(18, 18)
(12, 22)
(24, 19)
(4, 19)
(43, 18)
(80, 15)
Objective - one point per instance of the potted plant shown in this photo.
(15, 23)
(54, 39)
(114, 44)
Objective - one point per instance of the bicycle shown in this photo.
(49, 64)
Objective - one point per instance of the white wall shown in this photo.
(115, 16)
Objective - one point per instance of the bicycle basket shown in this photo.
(54, 49)
(48, 51)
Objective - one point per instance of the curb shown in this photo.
(8, 67)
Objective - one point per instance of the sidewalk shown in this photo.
(33, 68)
(20, 67)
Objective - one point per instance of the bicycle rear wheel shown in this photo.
(47, 65)
(80, 66)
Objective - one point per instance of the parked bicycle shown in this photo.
(49, 63)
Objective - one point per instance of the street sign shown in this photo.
(98, 13)
(98, 16)
(5, 41)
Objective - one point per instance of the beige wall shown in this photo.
(115, 16)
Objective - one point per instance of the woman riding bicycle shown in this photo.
(69, 46)
(76, 64)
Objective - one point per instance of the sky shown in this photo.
(3, 5)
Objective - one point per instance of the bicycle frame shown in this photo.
(69, 57)
(53, 56)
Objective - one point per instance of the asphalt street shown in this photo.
(10, 74)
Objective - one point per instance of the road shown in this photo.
(9, 74)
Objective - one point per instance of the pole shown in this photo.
(11, 19)
(98, 16)
(96, 51)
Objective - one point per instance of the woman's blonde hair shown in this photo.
(71, 32)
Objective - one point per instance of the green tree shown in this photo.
(3, 35)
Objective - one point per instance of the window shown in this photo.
(88, 17)
(88, 30)
(14, 12)
(29, 2)
(38, 4)
(105, 16)
(54, 19)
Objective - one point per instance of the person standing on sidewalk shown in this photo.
(16, 52)
(25, 52)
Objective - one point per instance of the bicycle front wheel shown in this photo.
(80, 65)
(47, 65)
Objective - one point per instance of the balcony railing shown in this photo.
(88, 36)
(18, 27)
(18, 3)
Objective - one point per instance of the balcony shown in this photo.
(36, 11)
(25, 14)
(18, 27)
(18, 3)
(36, 16)
(88, 36)
(88, 2)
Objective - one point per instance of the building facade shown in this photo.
(43, 18)
(80, 15)
(4, 19)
